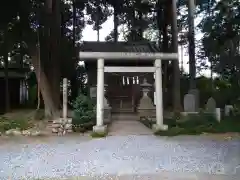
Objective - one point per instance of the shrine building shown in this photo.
(125, 77)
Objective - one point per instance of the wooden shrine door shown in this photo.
(122, 97)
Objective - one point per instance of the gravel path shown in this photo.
(117, 155)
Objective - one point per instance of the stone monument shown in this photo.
(195, 92)
(189, 103)
(146, 107)
(218, 114)
(64, 124)
(107, 108)
(228, 109)
(93, 92)
(211, 105)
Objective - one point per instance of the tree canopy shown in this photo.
(46, 34)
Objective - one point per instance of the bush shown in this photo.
(194, 124)
(196, 120)
(84, 111)
(7, 124)
(98, 135)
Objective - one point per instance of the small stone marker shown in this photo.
(154, 98)
(145, 102)
(228, 109)
(65, 98)
(189, 103)
(105, 101)
(93, 92)
(211, 105)
(63, 125)
(195, 92)
(218, 114)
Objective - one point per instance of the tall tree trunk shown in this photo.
(140, 28)
(115, 21)
(210, 14)
(7, 96)
(165, 48)
(176, 72)
(55, 51)
(51, 110)
(98, 20)
(182, 58)
(191, 45)
(74, 83)
(133, 26)
(49, 68)
(74, 23)
(163, 27)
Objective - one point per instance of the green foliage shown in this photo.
(227, 124)
(147, 122)
(194, 124)
(201, 123)
(221, 37)
(84, 111)
(17, 123)
(39, 114)
(32, 95)
(98, 135)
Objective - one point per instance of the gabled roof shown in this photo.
(13, 75)
(94, 46)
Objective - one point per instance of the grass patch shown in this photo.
(98, 135)
(20, 123)
(146, 122)
(83, 127)
(195, 124)
(150, 123)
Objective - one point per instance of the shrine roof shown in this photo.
(13, 75)
(94, 46)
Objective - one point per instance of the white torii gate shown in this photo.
(102, 56)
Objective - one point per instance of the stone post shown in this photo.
(63, 125)
(107, 108)
(65, 99)
(159, 100)
(99, 128)
(228, 109)
(218, 114)
(106, 104)
(145, 107)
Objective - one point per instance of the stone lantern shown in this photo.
(105, 101)
(145, 86)
(107, 108)
(146, 106)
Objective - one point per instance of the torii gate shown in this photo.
(157, 68)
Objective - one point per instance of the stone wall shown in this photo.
(62, 126)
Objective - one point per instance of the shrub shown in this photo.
(19, 123)
(98, 135)
(83, 111)
(192, 124)
(195, 120)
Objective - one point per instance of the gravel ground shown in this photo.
(117, 155)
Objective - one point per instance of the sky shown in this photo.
(90, 35)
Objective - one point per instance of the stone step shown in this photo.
(125, 116)
(122, 110)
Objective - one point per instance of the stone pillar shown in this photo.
(65, 98)
(195, 93)
(63, 125)
(105, 101)
(99, 128)
(228, 110)
(159, 101)
(146, 107)
(107, 108)
(218, 114)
